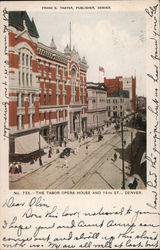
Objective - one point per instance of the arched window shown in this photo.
(73, 84)
(23, 59)
(26, 60)
(25, 66)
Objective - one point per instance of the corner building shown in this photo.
(47, 88)
(120, 83)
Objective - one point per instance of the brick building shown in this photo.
(123, 83)
(47, 88)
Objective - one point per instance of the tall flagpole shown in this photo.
(70, 36)
(98, 76)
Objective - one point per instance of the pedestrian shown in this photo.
(10, 167)
(49, 153)
(65, 142)
(32, 160)
(83, 136)
(16, 168)
(86, 149)
(134, 184)
(65, 161)
(115, 156)
(40, 161)
(19, 167)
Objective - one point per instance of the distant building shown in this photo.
(123, 83)
(118, 104)
(141, 102)
(97, 104)
(47, 88)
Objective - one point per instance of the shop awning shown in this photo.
(27, 144)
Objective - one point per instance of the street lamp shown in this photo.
(123, 169)
(39, 140)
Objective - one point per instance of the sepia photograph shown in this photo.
(77, 100)
(79, 130)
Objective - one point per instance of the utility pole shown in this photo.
(123, 180)
(131, 145)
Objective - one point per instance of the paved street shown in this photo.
(95, 170)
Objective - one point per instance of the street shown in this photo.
(94, 169)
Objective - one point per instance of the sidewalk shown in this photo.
(28, 168)
(127, 168)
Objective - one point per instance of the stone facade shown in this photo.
(97, 105)
(118, 104)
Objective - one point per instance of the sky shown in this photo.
(115, 41)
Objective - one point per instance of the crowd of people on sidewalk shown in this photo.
(16, 167)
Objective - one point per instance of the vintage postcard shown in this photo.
(80, 134)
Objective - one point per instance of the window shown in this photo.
(44, 66)
(23, 78)
(45, 115)
(30, 61)
(32, 98)
(45, 99)
(22, 121)
(50, 113)
(22, 100)
(27, 78)
(23, 59)
(49, 67)
(26, 60)
(18, 95)
(30, 79)
(57, 115)
(50, 99)
(33, 120)
(120, 106)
